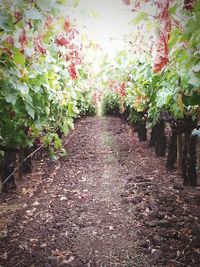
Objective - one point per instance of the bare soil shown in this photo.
(109, 203)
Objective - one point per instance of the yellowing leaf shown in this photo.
(179, 102)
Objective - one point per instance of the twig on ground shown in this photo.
(17, 264)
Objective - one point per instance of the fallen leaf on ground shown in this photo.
(4, 256)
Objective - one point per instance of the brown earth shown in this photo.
(109, 203)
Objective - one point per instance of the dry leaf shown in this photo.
(4, 256)
(36, 203)
(197, 250)
(63, 198)
(33, 240)
(30, 212)
(70, 259)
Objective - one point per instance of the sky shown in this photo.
(104, 21)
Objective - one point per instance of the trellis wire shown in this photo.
(20, 164)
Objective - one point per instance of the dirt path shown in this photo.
(105, 238)
(109, 203)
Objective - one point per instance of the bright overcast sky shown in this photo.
(104, 20)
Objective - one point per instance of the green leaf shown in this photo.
(194, 80)
(149, 26)
(175, 37)
(62, 2)
(70, 110)
(18, 57)
(176, 111)
(34, 14)
(63, 152)
(11, 98)
(8, 91)
(38, 125)
(193, 25)
(196, 132)
(173, 10)
(75, 110)
(196, 68)
(65, 128)
(47, 110)
(163, 98)
(148, 73)
(76, 3)
(30, 111)
(52, 153)
(57, 143)
(29, 51)
(5, 22)
(192, 100)
(70, 123)
(141, 16)
(23, 88)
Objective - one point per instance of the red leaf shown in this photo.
(7, 51)
(94, 98)
(67, 25)
(48, 21)
(67, 58)
(38, 45)
(188, 4)
(161, 58)
(137, 4)
(126, 2)
(72, 71)
(10, 40)
(17, 15)
(22, 39)
(62, 41)
(122, 89)
(30, 24)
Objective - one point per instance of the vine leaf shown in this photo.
(18, 57)
(179, 102)
(194, 80)
(5, 22)
(65, 128)
(76, 2)
(34, 14)
(161, 58)
(30, 111)
(11, 98)
(141, 16)
(196, 68)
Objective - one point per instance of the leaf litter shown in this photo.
(109, 203)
